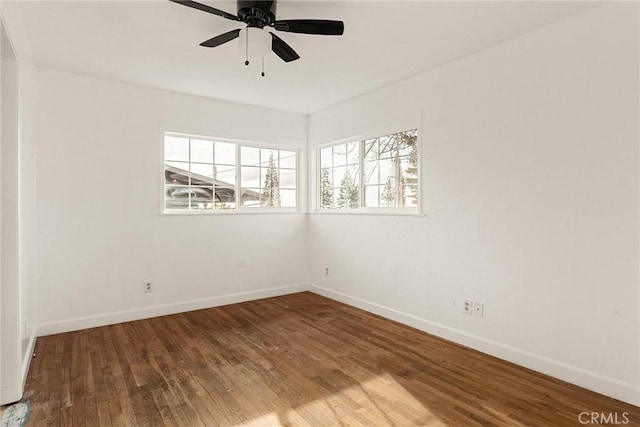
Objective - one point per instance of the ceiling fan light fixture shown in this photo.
(254, 43)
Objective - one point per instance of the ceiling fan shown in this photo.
(261, 14)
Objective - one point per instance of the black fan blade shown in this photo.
(311, 26)
(205, 8)
(221, 39)
(283, 50)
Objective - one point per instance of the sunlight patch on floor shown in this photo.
(503, 417)
(378, 401)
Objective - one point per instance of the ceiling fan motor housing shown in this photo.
(257, 13)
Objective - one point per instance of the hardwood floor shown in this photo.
(295, 360)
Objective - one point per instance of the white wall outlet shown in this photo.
(478, 308)
(467, 307)
(326, 272)
(147, 287)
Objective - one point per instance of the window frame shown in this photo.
(403, 126)
(239, 209)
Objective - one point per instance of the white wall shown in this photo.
(24, 322)
(530, 161)
(100, 233)
(10, 285)
(27, 211)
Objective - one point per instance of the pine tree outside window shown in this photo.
(380, 173)
(339, 176)
(271, 173)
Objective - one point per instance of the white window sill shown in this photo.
(256, 211)
(264, 211)
(378, 212)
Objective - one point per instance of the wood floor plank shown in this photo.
(289, 361)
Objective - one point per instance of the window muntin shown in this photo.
(389, 177)
(206, 175)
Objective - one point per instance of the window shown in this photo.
(375, 173)
(202, 174)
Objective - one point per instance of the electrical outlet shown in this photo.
(467, 307)
(326, 272)
(147, 287)
(478, 308)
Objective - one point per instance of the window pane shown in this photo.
(288, 198)
(353, 153)
(271, 199)
(348, 192)
(340, 155)
(326, 155)
(251, 197)
(389, 195)
(288, 159)
(371, 172)
(266, 154)
(263, 176)
(176, 173)
(371, 196)
(225, 197)
(220, 206)
(409, 168)
(287, 178)
(176, 204)
(327, 198)
(176, 148)
(225, 175)
(201, 198)
(201, 174)
(249, 156)
(407, 149)
(326, 189)
(326, 178)
(338, 175)
(355, 173)
(387, 147)
(386, 170)
(225, 153)
(371, 149)
(201, 151)
(408, 142)
(177, 192)
(251, 177)
(178, 167)
(176, 198)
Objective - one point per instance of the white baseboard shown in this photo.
(26, 360)
(608, 386)
(162, 310)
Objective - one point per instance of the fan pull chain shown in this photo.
(246, 52)
(262, 66)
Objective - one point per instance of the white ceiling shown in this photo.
(155, 43)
